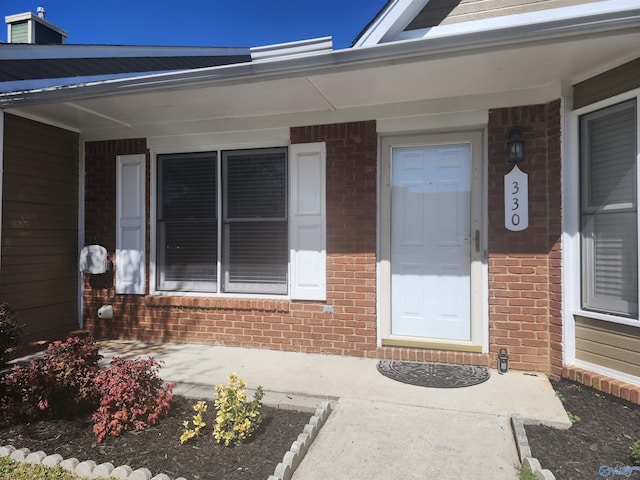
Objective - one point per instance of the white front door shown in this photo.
(433, 241)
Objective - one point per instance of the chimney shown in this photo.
(30, 28)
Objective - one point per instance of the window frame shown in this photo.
(218, 152)
(226, 285)
(572, 236)
(591, 214)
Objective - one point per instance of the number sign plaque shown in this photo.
(516, 200)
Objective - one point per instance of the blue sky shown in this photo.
(215, 23)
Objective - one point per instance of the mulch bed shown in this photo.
(603, 436)
(158, 448)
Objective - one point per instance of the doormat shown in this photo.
(434, 375)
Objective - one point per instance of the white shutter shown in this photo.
(307, 221)
(130, 224)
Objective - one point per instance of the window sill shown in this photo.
(633, 322)
(217, 303)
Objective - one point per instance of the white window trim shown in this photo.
(164, 147)
(170, 145)
(571, 230)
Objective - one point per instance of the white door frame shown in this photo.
(479, 329)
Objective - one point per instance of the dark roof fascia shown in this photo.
(20, 51)
(27, 66)
(45, 68)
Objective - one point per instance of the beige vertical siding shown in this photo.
(457, 11)
(38, 274)
(609, 345)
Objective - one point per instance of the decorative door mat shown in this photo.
(434, 375)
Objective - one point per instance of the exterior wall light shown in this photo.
(515, 146)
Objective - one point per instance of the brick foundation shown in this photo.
(603, 383)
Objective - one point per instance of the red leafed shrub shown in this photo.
(132, 397)
(58, 383)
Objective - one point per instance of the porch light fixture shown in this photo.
(515, 146)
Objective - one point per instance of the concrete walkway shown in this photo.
(379, 428)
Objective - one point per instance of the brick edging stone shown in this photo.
(89, 469)
(603, 383)
(524, 450)
(284, 470)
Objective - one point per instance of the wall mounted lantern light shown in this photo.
(515, 146)
(503, 361)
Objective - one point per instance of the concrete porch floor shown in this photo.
(379, 428)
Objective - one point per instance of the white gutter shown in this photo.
(596, 21)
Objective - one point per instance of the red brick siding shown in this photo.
(406, 354)
(603, 383)
(524, 267)
(257, 323)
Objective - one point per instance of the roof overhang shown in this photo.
(447, 64)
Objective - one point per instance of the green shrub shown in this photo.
(132, 397)
(10, 331)
(236, 417)
(635, 453)
(59, 383)
(198, 423)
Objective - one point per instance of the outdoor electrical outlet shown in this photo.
(328, 309)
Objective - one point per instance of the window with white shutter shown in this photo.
(255, 221)
(237, 244)
(609, 215)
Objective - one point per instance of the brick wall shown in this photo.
(256, 323)
(100, 213)
(524, 267)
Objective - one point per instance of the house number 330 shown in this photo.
(516, 200)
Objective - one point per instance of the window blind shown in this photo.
(255, 220)
(187, 222)
(609, 210)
